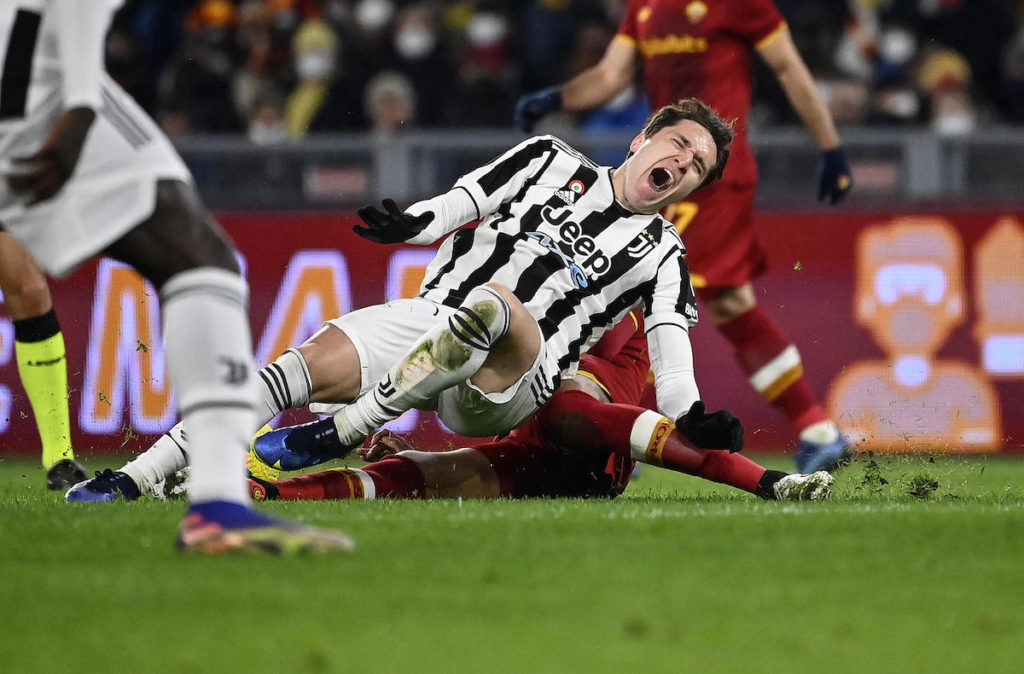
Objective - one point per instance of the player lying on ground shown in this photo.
(575, 446)
(582, 443)
(563, 250)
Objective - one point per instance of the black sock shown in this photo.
(765, 485)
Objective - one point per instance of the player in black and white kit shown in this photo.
(86, 172)
(563, 250)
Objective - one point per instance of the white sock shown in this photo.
(821, 433)
(209, 359)
(165, 458)
(449, 353)
(284, 384)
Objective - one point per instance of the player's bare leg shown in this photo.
(410, 474)
(775, 369)
(491, 340)
(42, 363)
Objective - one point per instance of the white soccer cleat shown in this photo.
(797, 487)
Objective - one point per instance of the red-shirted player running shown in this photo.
(582, 444)
(703, 49)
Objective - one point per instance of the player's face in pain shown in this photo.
(666, 167)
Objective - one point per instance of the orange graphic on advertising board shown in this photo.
(999, 299)
(124, 368)
(910, 296)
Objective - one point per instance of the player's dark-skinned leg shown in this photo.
(190, 260)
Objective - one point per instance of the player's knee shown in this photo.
(28, 297)
(480, 321)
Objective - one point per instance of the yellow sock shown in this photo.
(44, 374)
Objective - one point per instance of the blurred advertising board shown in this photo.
(910, 325)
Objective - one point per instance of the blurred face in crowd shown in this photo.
(664, 168)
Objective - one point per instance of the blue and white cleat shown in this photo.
(110, 485)
(814, 456)
(295, 447)
(219, 527)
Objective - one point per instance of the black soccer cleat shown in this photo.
(64, 474)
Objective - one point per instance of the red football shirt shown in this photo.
(703, 48)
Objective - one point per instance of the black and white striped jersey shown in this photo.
(553, 232)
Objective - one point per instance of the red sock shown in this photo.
(580, 422)
(397, 477)
(773, 364)
(394, 477)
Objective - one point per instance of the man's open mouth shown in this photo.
(661, 179)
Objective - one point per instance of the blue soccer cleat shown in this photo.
(295, 447)
(219, 527)
(814, 456)
(110, 485)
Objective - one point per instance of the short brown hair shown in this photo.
(696, 110)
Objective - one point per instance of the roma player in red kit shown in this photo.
(703, 49)
(581, 444)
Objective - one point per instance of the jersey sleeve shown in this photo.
(757, 21)
(628, 26)
(482, 191)
(81, 28)
(670, 311)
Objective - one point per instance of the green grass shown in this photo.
(677, 576)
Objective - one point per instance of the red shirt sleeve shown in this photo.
(756, 20)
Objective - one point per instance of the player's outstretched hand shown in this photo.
(390, 225)
(43, 174)
(834, 176)
(384, 443)
(531, 107)
(718, 430)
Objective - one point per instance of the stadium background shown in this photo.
(291, 114)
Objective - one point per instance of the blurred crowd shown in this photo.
(282, 69)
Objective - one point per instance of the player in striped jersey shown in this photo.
(582, 443)
(563, 249)
(87, 172)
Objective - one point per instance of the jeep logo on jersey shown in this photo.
(582, 245)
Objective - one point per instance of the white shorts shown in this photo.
(112, 190)
(384, 333)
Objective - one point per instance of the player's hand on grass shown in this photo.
(384, 443)
(43, 174)
(531, 107)
(718, 430)
(834, 176)
(391, 225)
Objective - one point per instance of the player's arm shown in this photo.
(474, 196)
(781, 55)
(592, 87)
(81, 29)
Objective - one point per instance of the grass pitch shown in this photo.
(916, 565)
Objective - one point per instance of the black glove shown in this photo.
(532, 107)
(834, 177)
(718, 430)
(393, 226)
